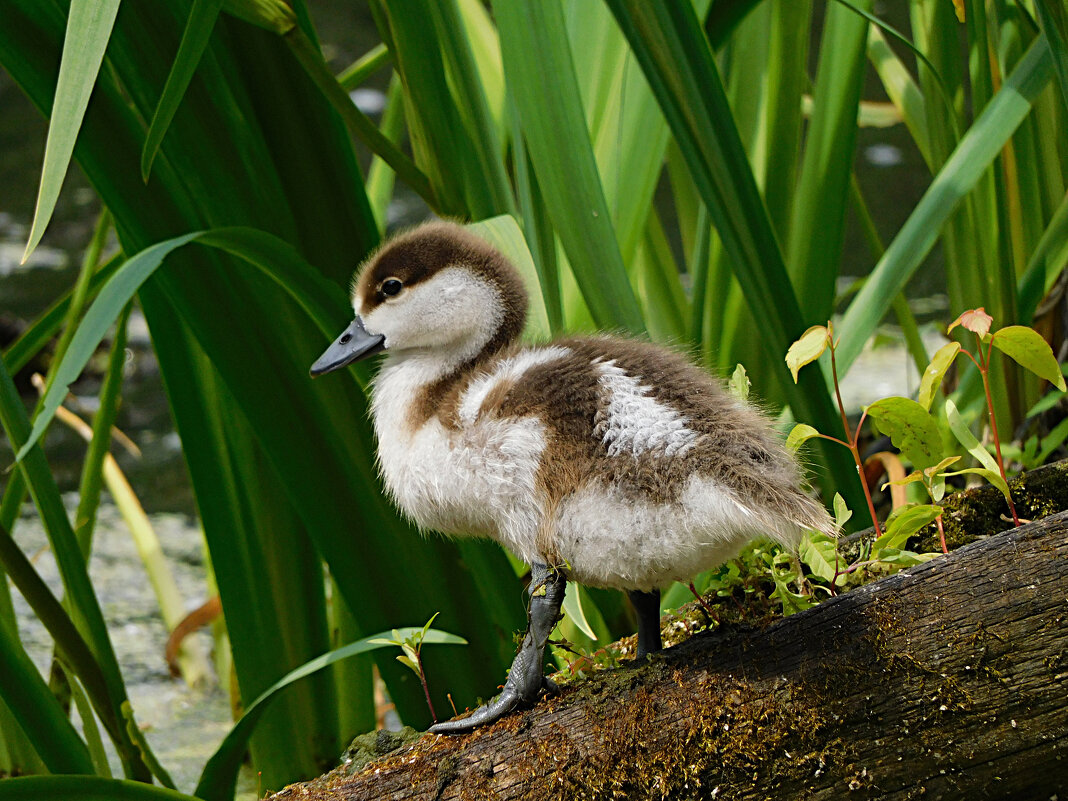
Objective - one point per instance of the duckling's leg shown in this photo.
(526, 677)
(647, 608)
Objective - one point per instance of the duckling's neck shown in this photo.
(413, 386)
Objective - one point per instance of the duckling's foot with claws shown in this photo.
(526, 678)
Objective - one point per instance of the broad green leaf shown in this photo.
(902, 524)
(910, 427)
(84, 788)
(967, 439)
(574, 611)
(220, 773)
(198, 30)
(809, 347)
(966, 166)
(842, 512)
(37, 711)
(1027, 348)
(801, 433)
(739, 383)
(88, 30)
(935, 372)
(820, 553)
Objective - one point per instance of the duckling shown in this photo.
(612, 462)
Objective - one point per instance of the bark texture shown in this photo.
(947, 680)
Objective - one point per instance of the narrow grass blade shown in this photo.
(534, 43)
(678, 62)
(37, 711)
(821, 197)
(202, 16)
(1053, 17)
(219, 775)
(88, 30)
(69, 642)
(504, 234)
(962, 171)
(1046, 264)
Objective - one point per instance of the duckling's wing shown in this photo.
(643, 419)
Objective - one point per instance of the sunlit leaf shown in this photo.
(935, 372)
(88, 31)
(809, 347)
(739, 383)
(800, 433)
(967, 439)
(1027, 348)
(842, 512)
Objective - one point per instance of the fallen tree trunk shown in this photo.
(947, 680)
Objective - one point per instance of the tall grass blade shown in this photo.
(820, 200)
(88, 30)
(534, 43)
(679, 64)
(39, 715)
(979, 147)
(202, 16)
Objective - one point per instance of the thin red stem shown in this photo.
(426, 690)
(941, 534)
(851, 443)
(984, 369)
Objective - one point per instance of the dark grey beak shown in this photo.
(355, 343)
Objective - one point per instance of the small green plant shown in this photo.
(412, 646)
(1023, 345)
(909, 426)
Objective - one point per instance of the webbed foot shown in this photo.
(526, 677)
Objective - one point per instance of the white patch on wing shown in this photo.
(506, 371)
(635, 423)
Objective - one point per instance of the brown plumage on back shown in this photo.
(613, 462)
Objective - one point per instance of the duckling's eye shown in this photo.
(391, 286)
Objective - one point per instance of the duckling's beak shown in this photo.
(355, 343)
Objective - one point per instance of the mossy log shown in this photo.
(947, 680)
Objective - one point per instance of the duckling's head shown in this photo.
(437, 290)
